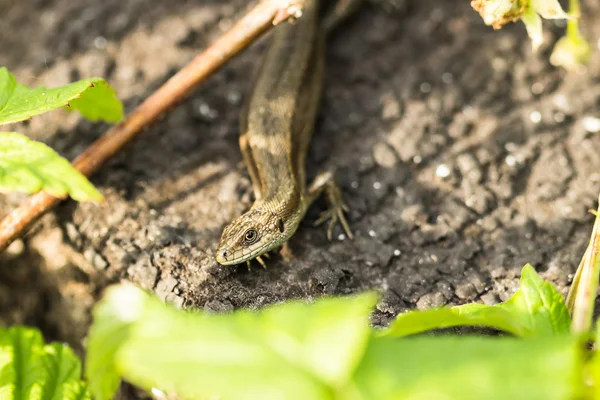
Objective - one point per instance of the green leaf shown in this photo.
(328, 336)
(533, 24)
(311, 349)
(63, 370)
(414, 322)
(30, 370)
(571, 51)
(549, 9)
(537, 308)
(111, 328)
(594, 364)
(93, 98)
(538, 305)
(29, 166)
(470, 368)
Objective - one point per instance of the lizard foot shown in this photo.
(337, 207)
(286, 252)
(260, 261)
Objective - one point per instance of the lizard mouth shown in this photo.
(228, 257)
(220, 259)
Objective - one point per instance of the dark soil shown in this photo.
(462, 154)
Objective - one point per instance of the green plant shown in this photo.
(30, 166)
(326, 350)
(536, 309)
(30, 369)
(570, 52)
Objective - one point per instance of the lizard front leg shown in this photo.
(324, 182)
(251, 165)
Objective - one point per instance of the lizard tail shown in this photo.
(342, 10)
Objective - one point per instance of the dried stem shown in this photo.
(263, 16)
(582, 295)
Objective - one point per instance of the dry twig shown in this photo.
(262, 17)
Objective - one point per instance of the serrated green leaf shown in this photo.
(31, 371)
(538, 305)
(29, 166)
(93, 98)
(310, 349)
(470, 368)
(21, 362)
(63, 370)
(537, 308)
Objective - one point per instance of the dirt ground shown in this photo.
(462, 155)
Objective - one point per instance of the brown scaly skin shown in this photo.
(276, 126)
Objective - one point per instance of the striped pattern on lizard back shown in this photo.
(281, 111)
(276, 128)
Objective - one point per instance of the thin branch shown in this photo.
(261, 18)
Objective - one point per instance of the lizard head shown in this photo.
(251, 235)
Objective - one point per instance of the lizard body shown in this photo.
(276, 127)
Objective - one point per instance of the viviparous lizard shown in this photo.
(276, 127)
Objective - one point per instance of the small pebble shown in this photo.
(591, 124)
(16, 248)
(510, 146)
(372, 233)
(442, 171)
(560, 101)
(206, 111)
(499, 64)
(535, 117)
(225, 24)
(384, 155)
(100, 42)
(559, 117)
(469, 111)
(511, 160)
(234, 97)
(447, 78)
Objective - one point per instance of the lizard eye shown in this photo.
(250, 236)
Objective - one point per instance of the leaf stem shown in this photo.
(573, 23)
(581, 297)
(260, 19)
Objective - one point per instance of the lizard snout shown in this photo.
(222, 256)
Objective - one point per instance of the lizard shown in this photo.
(276, 126)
